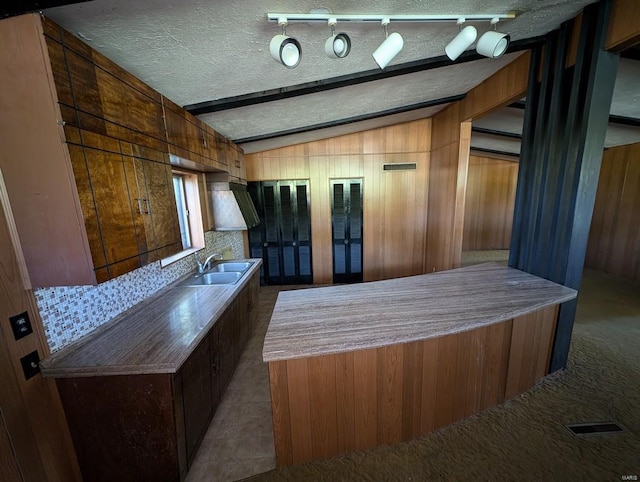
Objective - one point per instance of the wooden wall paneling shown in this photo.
(430, 355)
(8, 464)
(440, 208)
(445, 127)
(300, 409)
(365, 382)
(281, 415)
(478, 371)
(345, 396)
(412, 376)
(394, 212)
(461, 189)
(529, 354)
(390, 391)
(606, 208)
(321, 219)
(614, 237)
(624, 25)
(31, 409)
(624, 257)
(19, 454)
(489, 204)
(505, 86)
(498, 345)
(373, 218)
(446, 383)
(547, 326)
(323, 405)
(331, 404)
(461, 375)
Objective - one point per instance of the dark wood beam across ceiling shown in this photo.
(11, 9)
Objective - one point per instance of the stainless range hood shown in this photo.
(233, 209)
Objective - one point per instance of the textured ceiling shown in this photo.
(194, 51)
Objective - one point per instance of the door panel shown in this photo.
(346, 225)
(283, 237)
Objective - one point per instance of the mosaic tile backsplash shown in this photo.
(70, 312)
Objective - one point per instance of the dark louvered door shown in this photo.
(283, 237)
(346, 220)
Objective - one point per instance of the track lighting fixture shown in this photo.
(462, 41)
(287, 51)
(493, 44)
(388, 49)
(337, 46)
(284, 49)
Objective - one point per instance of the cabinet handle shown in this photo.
(143, 210)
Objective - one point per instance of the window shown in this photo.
(183, 211)
(185, 189)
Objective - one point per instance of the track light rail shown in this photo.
(324, 17)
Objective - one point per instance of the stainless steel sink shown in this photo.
(213, 278)
(231, 266)
(221, 273)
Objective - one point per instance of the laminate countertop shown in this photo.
(155, 336)
(336, 319)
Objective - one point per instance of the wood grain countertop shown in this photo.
(155, 336)
(336, 319)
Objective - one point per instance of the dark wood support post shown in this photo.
(566, 117)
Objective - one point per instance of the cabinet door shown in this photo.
(254, 299)
(346, 223)
(227, 345)
(111, 198)
(161, 208)
(283, 237)
(242, 324)
(196, 395)
(214, 361)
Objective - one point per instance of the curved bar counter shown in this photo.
(353, 367)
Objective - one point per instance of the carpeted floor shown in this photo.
(526, 438)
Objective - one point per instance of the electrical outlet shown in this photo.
(30, 364)
(21, 325)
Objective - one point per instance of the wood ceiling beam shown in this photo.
(11, 9)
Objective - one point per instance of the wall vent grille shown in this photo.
(400, 166)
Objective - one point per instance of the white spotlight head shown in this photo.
(388, 49)
(285, 50)
(338, 46)
(492, 44)
(461, 42)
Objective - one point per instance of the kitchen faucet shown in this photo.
(202, 267)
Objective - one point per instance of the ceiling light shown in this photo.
(462, 41)
(493, 44)
(388, 49)
(337, 46)
(287, 51)
(284, 49)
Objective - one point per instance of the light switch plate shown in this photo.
(30, 364)
(21, 325)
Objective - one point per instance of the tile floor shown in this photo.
(239, 441)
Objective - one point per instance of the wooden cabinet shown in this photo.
(190, 138)
(196, 396)
(81, 216)
(236, 165)
(149, 426)
(127, 200)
